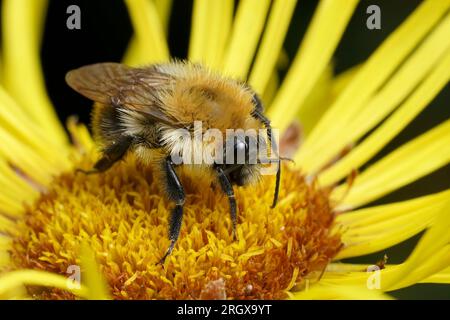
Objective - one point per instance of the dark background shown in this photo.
(106, 30)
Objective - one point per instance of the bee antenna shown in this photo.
(278, 175)
(257, 113)
(277, 186)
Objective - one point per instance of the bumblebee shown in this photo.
(140, 111)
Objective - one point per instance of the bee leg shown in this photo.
(228, 190)
(175, 193)
(111, 154)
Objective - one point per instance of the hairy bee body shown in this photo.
(141, 110)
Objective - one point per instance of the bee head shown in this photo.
(241, 163)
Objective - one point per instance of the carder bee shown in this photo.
(140, 111)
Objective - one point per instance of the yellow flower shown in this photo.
(114, 225)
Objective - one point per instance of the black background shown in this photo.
(105, 32)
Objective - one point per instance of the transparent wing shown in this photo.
(120, 85)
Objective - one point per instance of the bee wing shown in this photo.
(117, 84)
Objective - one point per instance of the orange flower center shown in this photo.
(124, 217)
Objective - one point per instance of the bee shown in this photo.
(139, 110)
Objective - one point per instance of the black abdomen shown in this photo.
(106, 124)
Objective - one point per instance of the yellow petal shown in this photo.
(5, 246)
(339, 292)
(271, 43)
(405, 80)
(419, 99)
(323, 35)
(343, 79)
(11, 280)
(23, 157)
(373, 74)
(211, 24)
(1, 69)
(13, 200)
(11, 206)
(317, 101)
(80, 135)
(16, 122)
(322, 95)
(340, 267)
(91, 276)
(373, 229)
(23, 76)
(133, 55)
(150, 37)
(5, 243)
(362, 275)
(271, 88)
(246, 31)
(409, 162)
(199, 29)
(163, 7)
(440, 277)
(431, 254)
(376, 214)
(13, 185)
(430, 257)
(6, 225)
(428, 268)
